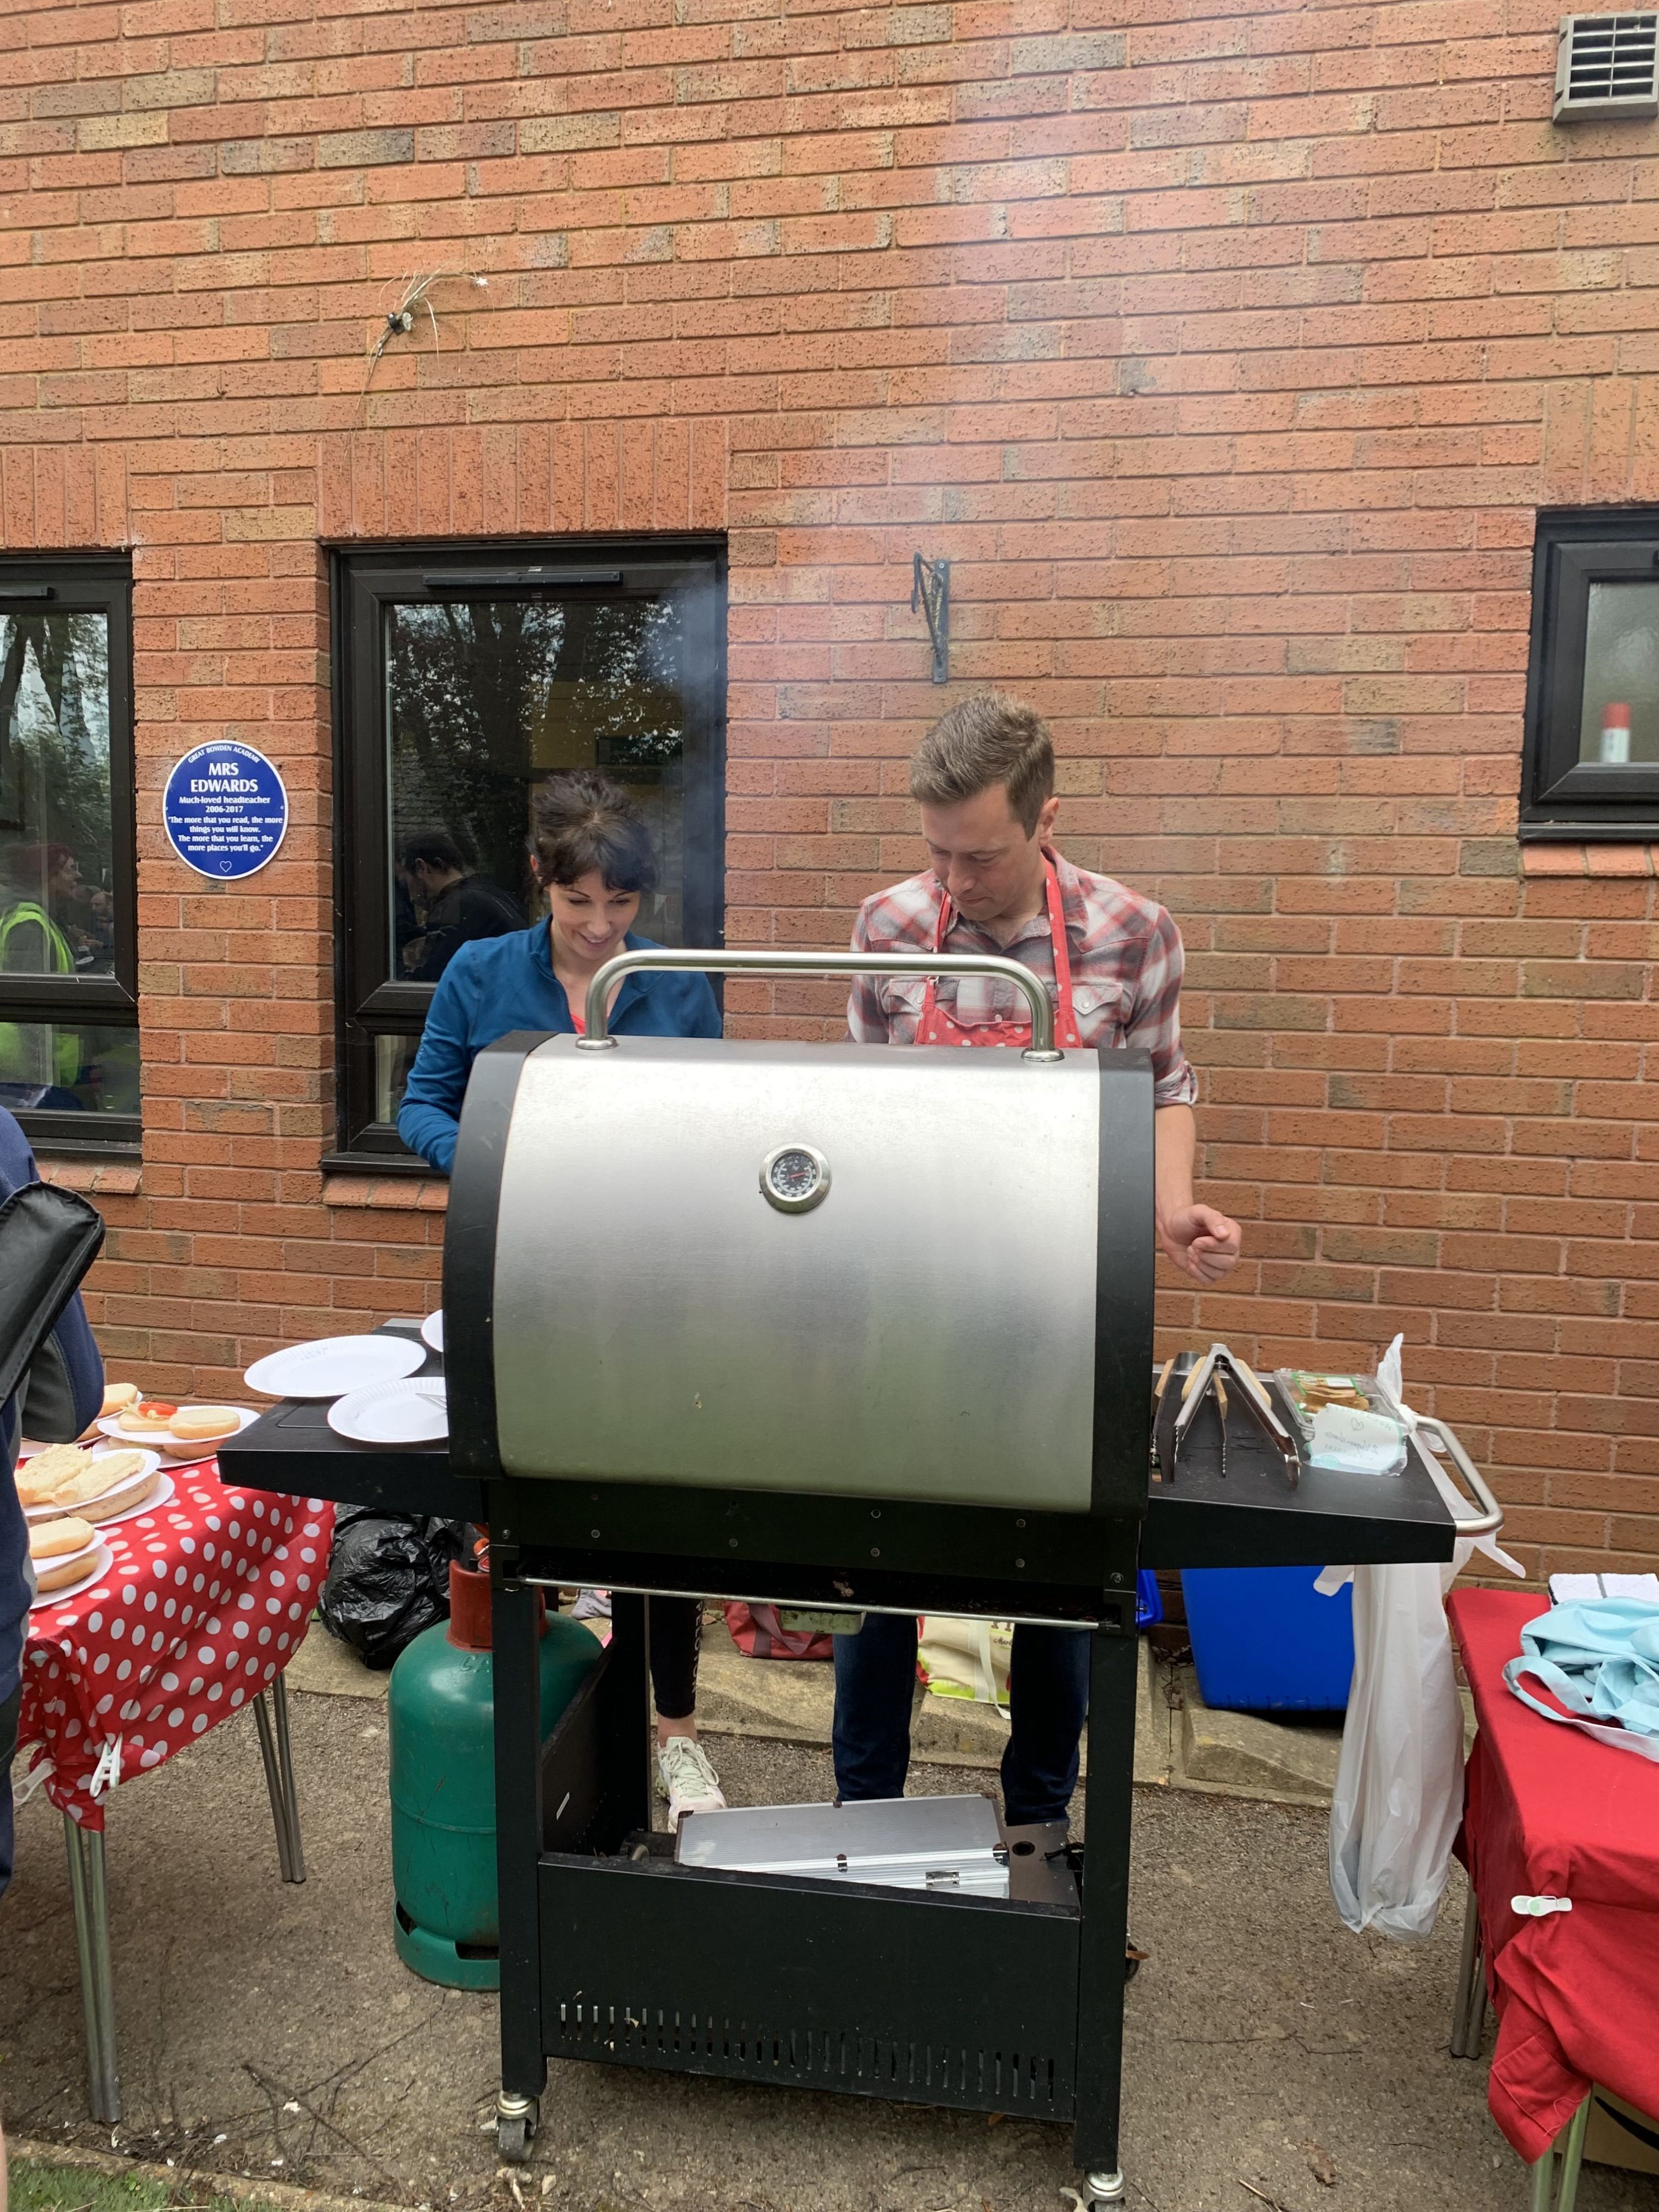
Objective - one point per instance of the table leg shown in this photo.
(1572, 2157)
(1113, 1676)
(1569, 2145)
(274, 1786)
(285, 1774)
(1468, 1966)
(90, 1893)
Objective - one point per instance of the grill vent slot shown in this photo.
(1607, 66)
(1027, 2082)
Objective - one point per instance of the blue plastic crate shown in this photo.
(1264, 1640)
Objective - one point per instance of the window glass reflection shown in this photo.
(1621, 719)
(56, 896)
(484, 698)
(50, 1068)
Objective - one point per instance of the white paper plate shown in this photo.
(333, 1365)
(432, 1331)
(149, 1460)
(99, 1564)
(182, 1451)
(412, 1412)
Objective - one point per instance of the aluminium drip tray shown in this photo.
(899, 1843)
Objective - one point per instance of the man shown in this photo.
(63, 1396)
(454, 905)
(984, 779)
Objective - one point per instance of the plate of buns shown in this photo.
(180, 1433)
(67, 1554)
(66, 1480)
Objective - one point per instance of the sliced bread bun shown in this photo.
(65, 1574)
(135, 1422)
(118, 1396)
(201, 1422)
(55, 1539)
(122, 1499)
(40, 1477)
(99, 1479)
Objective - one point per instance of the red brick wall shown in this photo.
(1225, 352)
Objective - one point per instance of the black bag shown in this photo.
(48, 1239)
(388, 1578)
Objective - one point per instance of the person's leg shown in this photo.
(875, 1682)
(676, 1640)
(1047, 1700)
(684, 1773)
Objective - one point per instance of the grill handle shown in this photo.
(760, 962)
(1491, 1517)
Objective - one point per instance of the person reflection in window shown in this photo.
(41, 886)
(454, 904)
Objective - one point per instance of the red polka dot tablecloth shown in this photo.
(205, 1601)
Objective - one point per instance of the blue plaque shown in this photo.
(225, 809)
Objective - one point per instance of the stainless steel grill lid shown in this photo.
(920, 1275)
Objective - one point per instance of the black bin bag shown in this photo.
(388, 1578)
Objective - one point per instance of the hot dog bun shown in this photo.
(200, 1422)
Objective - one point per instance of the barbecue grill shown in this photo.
(852, 1329)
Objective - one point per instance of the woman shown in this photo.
(591, 853)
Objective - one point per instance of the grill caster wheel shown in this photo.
(515, 2128)
(1103, 2188)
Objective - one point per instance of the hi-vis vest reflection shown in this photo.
(37, 1053)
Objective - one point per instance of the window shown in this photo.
(1591, 763)
(69, 1008)
(464, 675)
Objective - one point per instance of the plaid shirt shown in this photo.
(1125, 970)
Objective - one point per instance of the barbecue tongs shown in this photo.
(1207, 1377)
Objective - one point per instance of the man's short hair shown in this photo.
(987, 739)
(435, 848)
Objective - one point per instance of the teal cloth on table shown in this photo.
(1600, 1657)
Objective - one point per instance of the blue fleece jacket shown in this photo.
(497, 984)
(62, 1394)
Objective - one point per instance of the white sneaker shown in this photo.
(686, 1779)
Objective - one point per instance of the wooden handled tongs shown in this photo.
(1209, 1375)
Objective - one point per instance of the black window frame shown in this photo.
(76, 583)
(1563, 799)
(363, 581)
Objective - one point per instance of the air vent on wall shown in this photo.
(1605, 67)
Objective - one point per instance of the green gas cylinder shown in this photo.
(441, 1719)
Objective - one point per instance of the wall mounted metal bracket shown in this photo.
(930, 590)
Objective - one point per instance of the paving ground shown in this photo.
(260, 2024)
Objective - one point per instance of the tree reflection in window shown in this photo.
(486, 696)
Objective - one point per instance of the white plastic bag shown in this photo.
(1398, 1793)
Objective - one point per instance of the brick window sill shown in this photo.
(1589, 859)
(94, 1178)
(388, 1193)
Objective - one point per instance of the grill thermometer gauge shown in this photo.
(794, 1178)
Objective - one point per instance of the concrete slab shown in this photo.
(328, 1668)
(1289, 1762)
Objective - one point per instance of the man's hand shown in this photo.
(1201, 1243)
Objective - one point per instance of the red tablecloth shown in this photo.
(205, 1602)
(1550, 1812)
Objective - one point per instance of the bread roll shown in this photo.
(123, 1498)
(135, 1422)
(37, 1477)
(65, 1574)
(54, 1539)
(201, 1422)
(99, 1477)
(118, 1396)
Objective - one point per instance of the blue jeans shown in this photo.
(1047, 1694)
(8, 1749)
